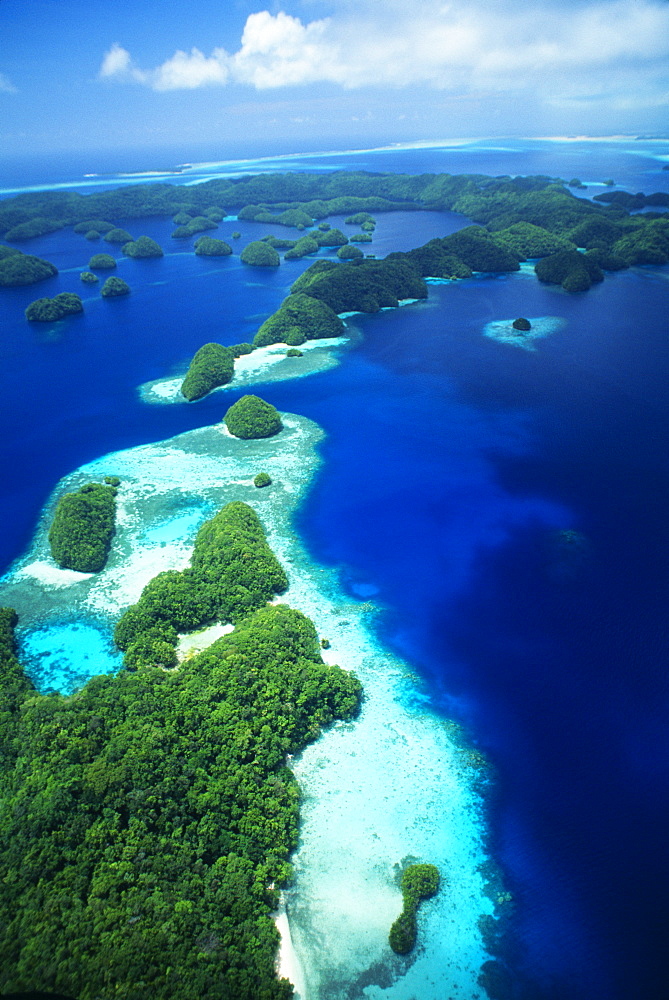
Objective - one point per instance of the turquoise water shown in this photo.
(64, 655)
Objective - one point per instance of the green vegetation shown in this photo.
(32, 228)
(331, 238)
(361, 286)
(573, 270)
(239, 349)
(92, 234)
(88, 277)
(260, 254)
(527, 240)
(359, 219)
(147, 821)
(102, 227)
(324, 226)
(144, 246)
(349, 253)
(236, 235)
(522, 324)
(360, 238)
(232, 573)
(114, 287)
(300, 318)
(102, 262)
(301, 248)
(262, 479)
(120, 236)
(200, 224)
(23, 269)
(293, 217)
(82, 528)
(208, 247)
(49, 310)
(252, 417)
(294, 352)
(212, 365)
(418, 882)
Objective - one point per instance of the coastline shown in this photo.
(397, 784)
(264, 364)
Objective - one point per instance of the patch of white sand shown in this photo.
(195, 642)
(541, 326)
(52, 575)
(263, 364)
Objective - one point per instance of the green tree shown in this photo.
(252, 417)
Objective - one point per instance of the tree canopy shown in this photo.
(49, 310)
(114, 287)
(82, 528)
(212, 365)
(260, 254)
(144, 246)
(252, 417)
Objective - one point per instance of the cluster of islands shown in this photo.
(148, 819)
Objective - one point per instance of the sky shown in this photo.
(298, 75)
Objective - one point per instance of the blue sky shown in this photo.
(321, 74)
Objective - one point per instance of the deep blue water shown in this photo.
(454, 465)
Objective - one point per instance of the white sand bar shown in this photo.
(264, 364)
(397, 784)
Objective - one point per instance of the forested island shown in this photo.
(526, 216)
(148, 820)
(83, 526)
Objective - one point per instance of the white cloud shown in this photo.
(189, 70)
(559, 51)
(117, 63)
(6, 85)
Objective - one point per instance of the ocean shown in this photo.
(504, 509)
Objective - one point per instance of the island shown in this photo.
(252, 417)
(502, 209)
(206, 246)
(89, 278)
(144, 246)
(262, 479)
(169, 789)
(114, 287)
(49, 310)
(82, 528)
(419, 882)
(17, 268)
(98, 224)
(300, 317)
(212, 365)
(120, 236)
(199, 224)
(102, 262)
(260, 254)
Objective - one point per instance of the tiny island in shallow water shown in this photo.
(152, 814)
